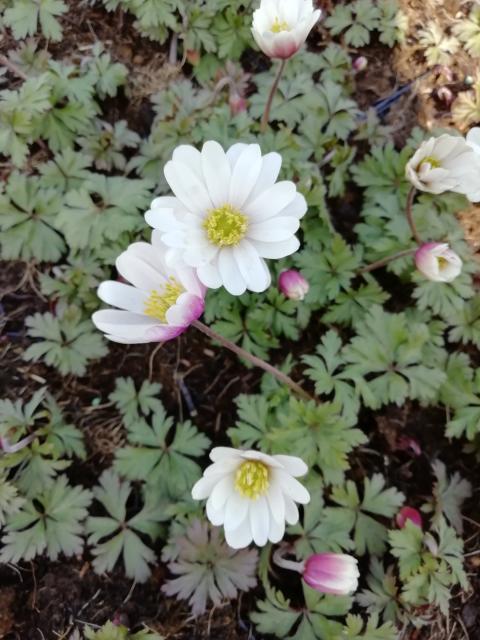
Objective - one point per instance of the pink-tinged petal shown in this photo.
(409, 513)
(332, 573)
(163, 333)
(437, 262)
(187, 309)
(293, 285)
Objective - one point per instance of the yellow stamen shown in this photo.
(225, 226)
(159, 302)
(433, 162)
(252, 479)
(442, 263)
(278, 27)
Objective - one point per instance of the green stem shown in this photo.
(273, 90)
(381, 263)
(409, 212)
(258, 362)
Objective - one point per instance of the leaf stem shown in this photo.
(381, 263)
(409, 212)
(273, 90)
(5, 62)
(258, 362)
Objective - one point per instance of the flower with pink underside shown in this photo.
(293, 285)
(409, 514)
(437, 262)
(161, 302)
(280, 27)
(334, 573)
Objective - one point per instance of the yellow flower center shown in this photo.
(442, 263)
(159, 302)
(225, 226)
(433, 162)
(278, 27)
(252, 479)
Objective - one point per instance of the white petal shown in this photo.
(270, 202)
(216, 172)
(296, 467)
(187, 309)
(275, 229)
(245, 175)
(259, 521)
(236, 510)
(253, 269)
(124, 324)
(271, 165)
(141, 274)
(220, 453)
(222, 492)
(188, 188)
(191, 157)
(203, 487)
(276, 250)
(297, 208)
(216, 516)
(276, 502)
(123, 296)
(209, 275)
(262, 457)
(232, 279)
(277, 530)
(291, 487)
(291, 511)
(240, 537)
(235, 151)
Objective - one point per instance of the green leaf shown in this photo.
(449, 493)
(369, 534)
(133, 404)
(150, 458)
(66, 343)
(25, 15)
(356, 629)
(382, 595)
(10, 501)
(52, 523)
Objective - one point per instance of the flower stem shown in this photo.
(273, 90)
(409, 212)
(384, 261)
(280, 561)
(258, 362)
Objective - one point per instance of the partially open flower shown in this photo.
(437, 262)
(280, 27)
(161, 304)
(409, 513)
(293, 285)
(252, 494)
(360, 64)
(332, 573)
(228, 214)
(446, 163)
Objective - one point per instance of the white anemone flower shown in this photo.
(473, 141)
(252, 494)
(228, 214)
(161, 304)
(446, 163)
(280, 27)
(437, 262)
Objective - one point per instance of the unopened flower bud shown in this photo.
(431, 544)
(404, 443)
(469, 81)
(437, 262)
(237, 103)
(360, 64)
(409, 513)
(445, 95)
(332, 573)
(293, 285)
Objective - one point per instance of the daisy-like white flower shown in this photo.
(437, 262)
(280, 27)
(161, 303)
(446, 163)
(473, 141)
(228, 214)
(252, 494)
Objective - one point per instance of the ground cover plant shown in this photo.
(240, 319)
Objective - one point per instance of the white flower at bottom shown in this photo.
(228, 214)
(162, 303)
(252, 494)
(438, 262)
(446, 163)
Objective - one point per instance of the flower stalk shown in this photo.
(257, 362)
(384, 261)
(273, 90)
(409, 212)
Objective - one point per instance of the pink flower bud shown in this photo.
(404, 443)
(293, 285)
(438, 262)
(409, 513)
(360, 64)
(332, 573)
(237, 103)
(445, 95)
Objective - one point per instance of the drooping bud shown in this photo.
(332, 573)
(293, 285)
(360, 64)
(437, 262)
(445, 95)
(409, 513)
(237, 103)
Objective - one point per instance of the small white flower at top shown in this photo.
(437, 262)
(162, 303)
(228, 214)
(446, 163)
(252, 494)
(280, 27)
